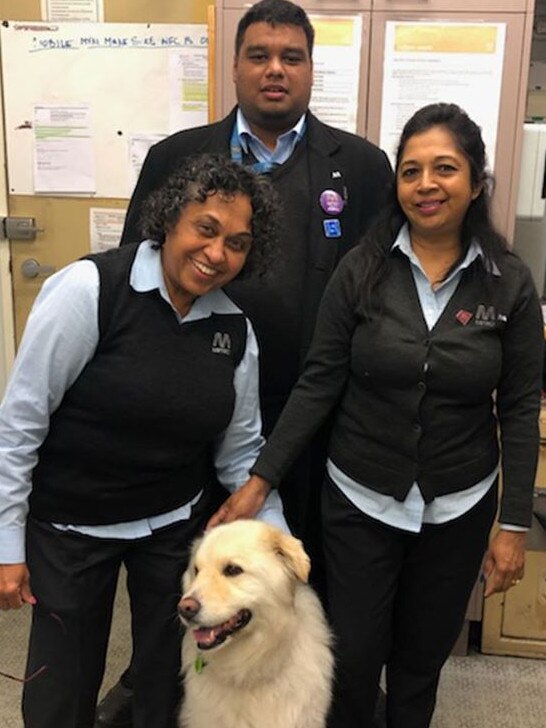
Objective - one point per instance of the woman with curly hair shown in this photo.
(134, 388)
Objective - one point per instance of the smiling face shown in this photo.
(434, 185)
(207, 248)
(273, 76)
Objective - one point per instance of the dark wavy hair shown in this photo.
(275, 12)
(209, 174)
(379, 238)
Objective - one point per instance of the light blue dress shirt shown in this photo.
(285, 142)
(61, 336)
(412, 513)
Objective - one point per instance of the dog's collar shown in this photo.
(199, 663)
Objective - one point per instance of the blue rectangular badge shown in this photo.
(332, 228)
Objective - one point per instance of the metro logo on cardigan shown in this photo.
(132, 436)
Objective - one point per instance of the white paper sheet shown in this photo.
(79, 10)
(139, 145)
(188, 77)
(105, 228)
(336, 70)
(63, 149)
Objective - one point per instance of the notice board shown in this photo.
(135, 81)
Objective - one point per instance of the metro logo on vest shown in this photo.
(221, 343)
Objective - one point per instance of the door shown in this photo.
(63, 222)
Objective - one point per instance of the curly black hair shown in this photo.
(208, 174)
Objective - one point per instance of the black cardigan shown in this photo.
(419, 405)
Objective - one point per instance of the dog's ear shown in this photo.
(193, 551)
(197, 541)
(293, 554)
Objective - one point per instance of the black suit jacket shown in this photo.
(337, 160)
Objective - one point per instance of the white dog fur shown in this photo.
(275, 667)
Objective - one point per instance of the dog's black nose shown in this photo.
(188, 607)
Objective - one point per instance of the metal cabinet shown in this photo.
(517, 15)
(463, 6)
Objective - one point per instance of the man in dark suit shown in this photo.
(331, 184)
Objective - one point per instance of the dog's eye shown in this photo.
(232, 570)
(195, 570)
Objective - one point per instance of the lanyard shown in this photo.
(236, 152)
(237, 155)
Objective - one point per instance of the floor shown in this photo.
(476, 691)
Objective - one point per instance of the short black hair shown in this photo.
(276, 12)
(208, 174)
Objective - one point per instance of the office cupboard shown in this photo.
(514, 623)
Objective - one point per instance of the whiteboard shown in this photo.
(123, 71)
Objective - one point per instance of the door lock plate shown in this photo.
(19, 228)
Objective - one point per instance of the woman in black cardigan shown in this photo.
(428, 352)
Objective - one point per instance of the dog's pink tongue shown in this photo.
(204, 636)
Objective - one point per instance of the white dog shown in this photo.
(257, 651)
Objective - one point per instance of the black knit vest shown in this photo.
(133, 435)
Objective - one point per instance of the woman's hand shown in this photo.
(15, 586)
(504, 561)
(244, 503)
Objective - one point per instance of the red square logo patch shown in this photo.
(463, 317)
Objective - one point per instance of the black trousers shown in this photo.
(396, 599)
(74, 579)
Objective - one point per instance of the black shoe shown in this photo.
(114, 710)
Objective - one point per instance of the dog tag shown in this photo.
(199, 664)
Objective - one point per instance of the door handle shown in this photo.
(30, 268)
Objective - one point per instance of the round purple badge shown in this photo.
(331, 202)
